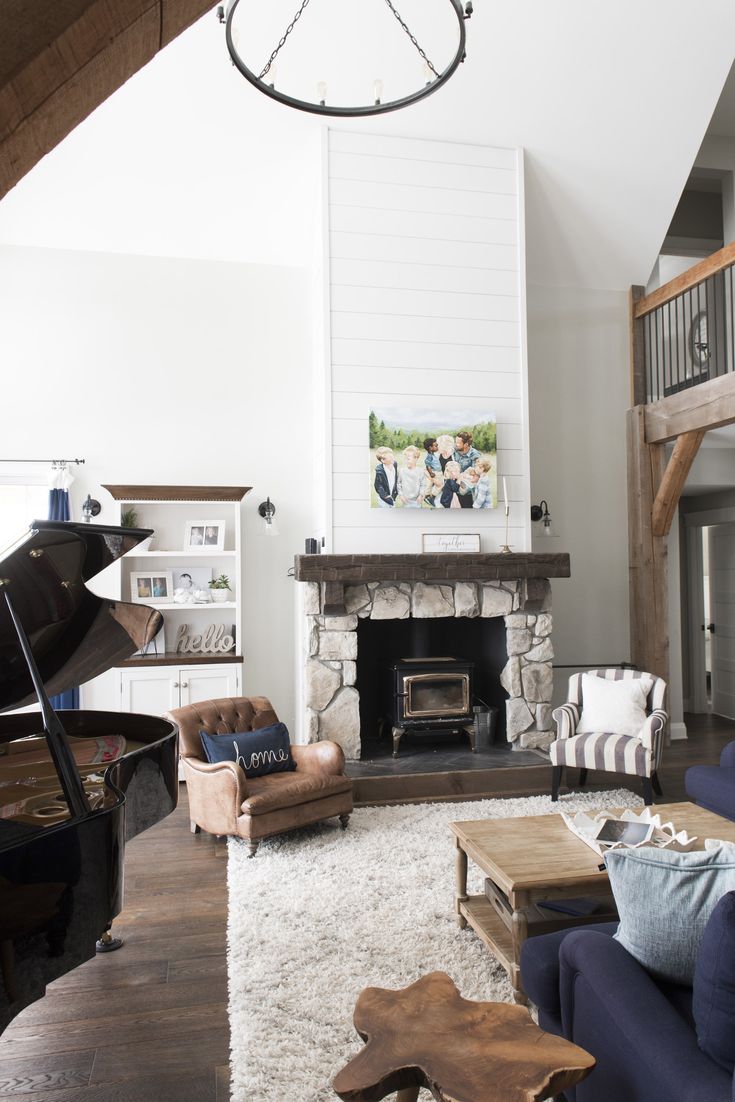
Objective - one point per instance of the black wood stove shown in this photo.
(430, 694)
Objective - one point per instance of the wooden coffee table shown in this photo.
(536, 858)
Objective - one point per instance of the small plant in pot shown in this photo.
(129, 519)
(220, 588)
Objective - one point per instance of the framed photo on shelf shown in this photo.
(193, 579)
(204, 535)
(147, 587)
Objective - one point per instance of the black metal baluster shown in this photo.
(731, 366)
(690, 337)
(713, 341)
(655, 327)
(685, 309)
(676, 336)
(659, 357)
(671, 335)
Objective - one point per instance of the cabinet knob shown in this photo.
(184, 684)
(176, 684)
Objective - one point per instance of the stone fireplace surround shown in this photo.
(337, 590)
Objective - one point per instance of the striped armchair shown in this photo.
(605, 750)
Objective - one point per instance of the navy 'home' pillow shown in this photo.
(267, 750)
(713, 1000)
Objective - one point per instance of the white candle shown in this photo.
(505, 491)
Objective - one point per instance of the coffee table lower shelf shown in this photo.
(480, 914)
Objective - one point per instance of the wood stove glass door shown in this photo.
(437, 694)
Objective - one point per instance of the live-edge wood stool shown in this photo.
(427, 1035)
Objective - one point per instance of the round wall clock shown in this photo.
(699, 348)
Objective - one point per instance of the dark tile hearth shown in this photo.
(438, 754)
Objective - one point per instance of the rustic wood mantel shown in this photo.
(336, 571)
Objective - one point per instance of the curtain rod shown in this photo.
(61, 462)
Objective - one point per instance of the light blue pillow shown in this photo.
(664, 900)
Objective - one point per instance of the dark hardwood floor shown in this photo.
(149, 1023)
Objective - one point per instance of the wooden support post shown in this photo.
(638, 393)
(672, 483)
(649, 609)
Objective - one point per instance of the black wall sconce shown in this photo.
(541, 512)
(267, 511)
(90, 508)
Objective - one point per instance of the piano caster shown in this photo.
(108, 944)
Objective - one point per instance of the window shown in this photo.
(22, 499)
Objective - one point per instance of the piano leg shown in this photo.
(107, 943)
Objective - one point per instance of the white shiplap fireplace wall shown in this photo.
(425, 281)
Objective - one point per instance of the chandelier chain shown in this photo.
(412, 37)
(286, 33)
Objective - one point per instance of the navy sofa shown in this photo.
(713, 786)
(641, 1032)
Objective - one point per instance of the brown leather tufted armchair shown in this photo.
(222, 800)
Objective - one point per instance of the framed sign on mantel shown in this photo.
(433, 542)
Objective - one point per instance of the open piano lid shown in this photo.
(67, 808)
(73, 634)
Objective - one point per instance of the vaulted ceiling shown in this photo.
(610, 103)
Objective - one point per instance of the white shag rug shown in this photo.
(320, 913)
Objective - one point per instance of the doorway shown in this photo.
(721, 625)
(709, 650)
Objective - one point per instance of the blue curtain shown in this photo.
(58, 509)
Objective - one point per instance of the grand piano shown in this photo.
(74, 785)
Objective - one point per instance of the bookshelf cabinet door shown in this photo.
(208, 682)
(149, 691)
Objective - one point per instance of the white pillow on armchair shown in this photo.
(618, 707)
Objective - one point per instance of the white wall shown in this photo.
(186, 159)
(427, 283)
(172, 371)
(579, 393)
(713, 469)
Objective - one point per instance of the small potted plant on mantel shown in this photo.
(220, 588)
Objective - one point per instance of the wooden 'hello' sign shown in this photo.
(214, 639)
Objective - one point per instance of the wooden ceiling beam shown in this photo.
(60, 59)
(672, 483)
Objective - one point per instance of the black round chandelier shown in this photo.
(346, 59)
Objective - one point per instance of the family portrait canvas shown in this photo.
(432, 459)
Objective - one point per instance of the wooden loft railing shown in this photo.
(682, 384)
(686, 329)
